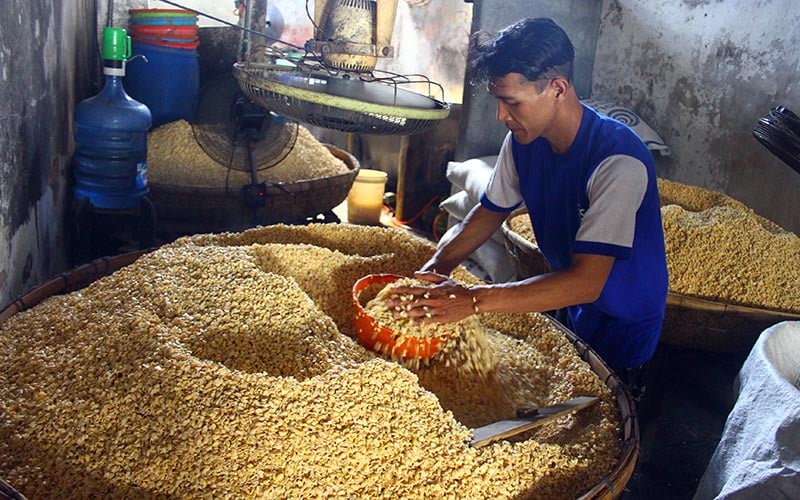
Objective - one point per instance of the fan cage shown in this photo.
(259, 83)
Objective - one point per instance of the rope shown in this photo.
(20, 303)
(610, 486)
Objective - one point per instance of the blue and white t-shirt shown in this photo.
(600, 197)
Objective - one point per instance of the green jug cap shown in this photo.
(116, 44)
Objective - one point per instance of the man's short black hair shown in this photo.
(535, 47)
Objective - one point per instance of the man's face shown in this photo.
(525, 111)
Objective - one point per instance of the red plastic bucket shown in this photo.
(165, 31)
(189, 45)
(162, 21)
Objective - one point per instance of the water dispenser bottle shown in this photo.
(110, 159)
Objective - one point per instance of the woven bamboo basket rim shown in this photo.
(69, 281)
(281, 188)
(610, 487)
(517, 238)
(727, 308)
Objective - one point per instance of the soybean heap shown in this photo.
(226, 366)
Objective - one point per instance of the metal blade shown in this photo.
(506, 428)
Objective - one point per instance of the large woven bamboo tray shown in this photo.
(191, 209)
(690, 322)
(610, 487)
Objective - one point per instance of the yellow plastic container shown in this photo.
(365, 199)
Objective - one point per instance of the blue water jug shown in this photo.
(110, 159)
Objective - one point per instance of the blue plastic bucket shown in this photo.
(176, 21)
(168, 83)
(184, 41)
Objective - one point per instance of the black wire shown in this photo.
(110, 14)
(779, 132)
(254, 32)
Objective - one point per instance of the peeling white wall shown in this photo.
(432, 39)
(702, 72)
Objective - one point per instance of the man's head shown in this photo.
(536, 48)
(528, 67)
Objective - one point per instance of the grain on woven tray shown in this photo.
(175, 158)
(521, 224)
(726, 254)
(719, 249)
(206, 369)
(697, 199)
(464, 343)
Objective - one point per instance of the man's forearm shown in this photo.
(477, 227)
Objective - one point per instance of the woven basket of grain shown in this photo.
(610, 487)
(522, 249)
(690, 322)
(192, 209)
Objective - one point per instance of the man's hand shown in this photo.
(445, 302)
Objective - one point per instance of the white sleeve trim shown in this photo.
(503, 187)
(616, 190)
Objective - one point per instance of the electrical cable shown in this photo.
(420, 213)
(435, 224)
(779, 132)
(252, 31)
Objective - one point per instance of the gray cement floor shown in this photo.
(689, 396)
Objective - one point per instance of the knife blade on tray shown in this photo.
(527, 419)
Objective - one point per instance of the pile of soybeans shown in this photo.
(175, 158)
(718, 249)
(225, 366)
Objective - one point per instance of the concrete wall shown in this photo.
(47, 64)
(702, 73)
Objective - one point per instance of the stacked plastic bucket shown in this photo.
(167, 78)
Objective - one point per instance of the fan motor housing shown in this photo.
(347, 37)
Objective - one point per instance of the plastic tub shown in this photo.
(188, 47)
(175, 43)
(165, 31)
(371, 334)
(168, 83)
(136, 13)
(163, 21)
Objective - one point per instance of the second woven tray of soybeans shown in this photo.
(732, 273)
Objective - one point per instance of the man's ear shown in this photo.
(560, 86)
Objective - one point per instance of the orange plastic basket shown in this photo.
(382, 339)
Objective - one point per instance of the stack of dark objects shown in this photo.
(779, 131)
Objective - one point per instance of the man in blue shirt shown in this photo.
(589, 184)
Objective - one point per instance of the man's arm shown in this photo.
(447, 302)
(581, 283)
(477, 227)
